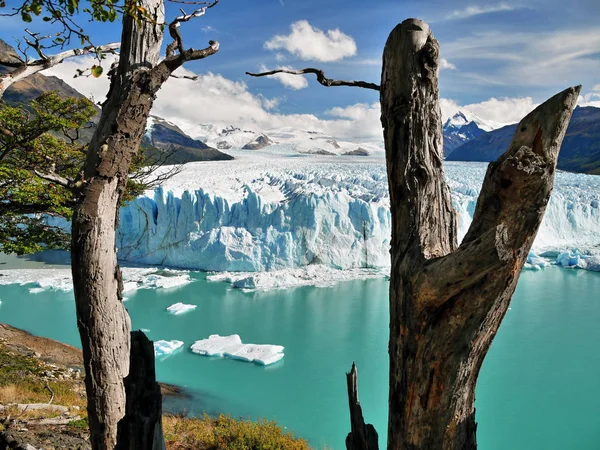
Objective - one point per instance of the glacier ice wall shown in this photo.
(331, 214)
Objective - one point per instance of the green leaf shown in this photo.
(96, 71)
(25, 16)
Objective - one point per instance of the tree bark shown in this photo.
(446, 303)
(141, 428)
(362, 436)
(103, 323)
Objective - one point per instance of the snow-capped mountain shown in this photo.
(464, 127)
(165, 138)
(284, 141)
(580, 150)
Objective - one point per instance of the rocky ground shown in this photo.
(42, 394)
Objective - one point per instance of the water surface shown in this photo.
(539, 388)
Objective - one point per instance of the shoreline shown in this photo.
(63, 355)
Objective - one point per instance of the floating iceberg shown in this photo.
(162, 348)
(232, 347)
(180, 308)
(314, 275)
(578, 260)
(535, 262)
(134, 278)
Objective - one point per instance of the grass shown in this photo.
(21, 381)
(226, 433)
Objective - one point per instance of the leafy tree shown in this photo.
(41, 138)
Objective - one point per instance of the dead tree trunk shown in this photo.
(362, 436)
(141, 428)
(446, 303)
(103, 323)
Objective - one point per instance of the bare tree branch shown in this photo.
(321, 78)
(177, 43)
(55, 178)
(187, 77)
(26, 68)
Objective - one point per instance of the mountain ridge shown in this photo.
(580, 151)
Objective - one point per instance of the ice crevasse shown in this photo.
(256, 219)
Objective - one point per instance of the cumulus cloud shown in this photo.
(295, 82)
(214, 99)
(446, 65)
(500, 111)
(591, 99)
(476, 10)
(310, 43)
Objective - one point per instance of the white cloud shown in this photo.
(446, 65)
(295, 82)
(591, 99)
(309, 43)
(596, 88)
(280, 57)
(471, 11)
(502, 111)
(552, 59)
(217, 100)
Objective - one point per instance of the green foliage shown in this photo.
(63, 13)
(80, 424)
(43, 139)
(30, 142)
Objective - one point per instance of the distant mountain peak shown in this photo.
(464, 117)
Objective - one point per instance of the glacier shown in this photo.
(265, 212)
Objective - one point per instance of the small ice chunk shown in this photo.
(162, 348)
(129, 286)
(232, 347)
(180, 308)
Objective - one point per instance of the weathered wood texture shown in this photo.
(362, 436)
(446, 303)
(141, 428)
(104, 325)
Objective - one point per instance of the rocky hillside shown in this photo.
(163, 137)
(580, 150)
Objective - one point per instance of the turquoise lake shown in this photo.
(539, 388)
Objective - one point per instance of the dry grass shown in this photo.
(225, 433)
(21, 381)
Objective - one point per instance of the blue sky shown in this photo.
(516, 53)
